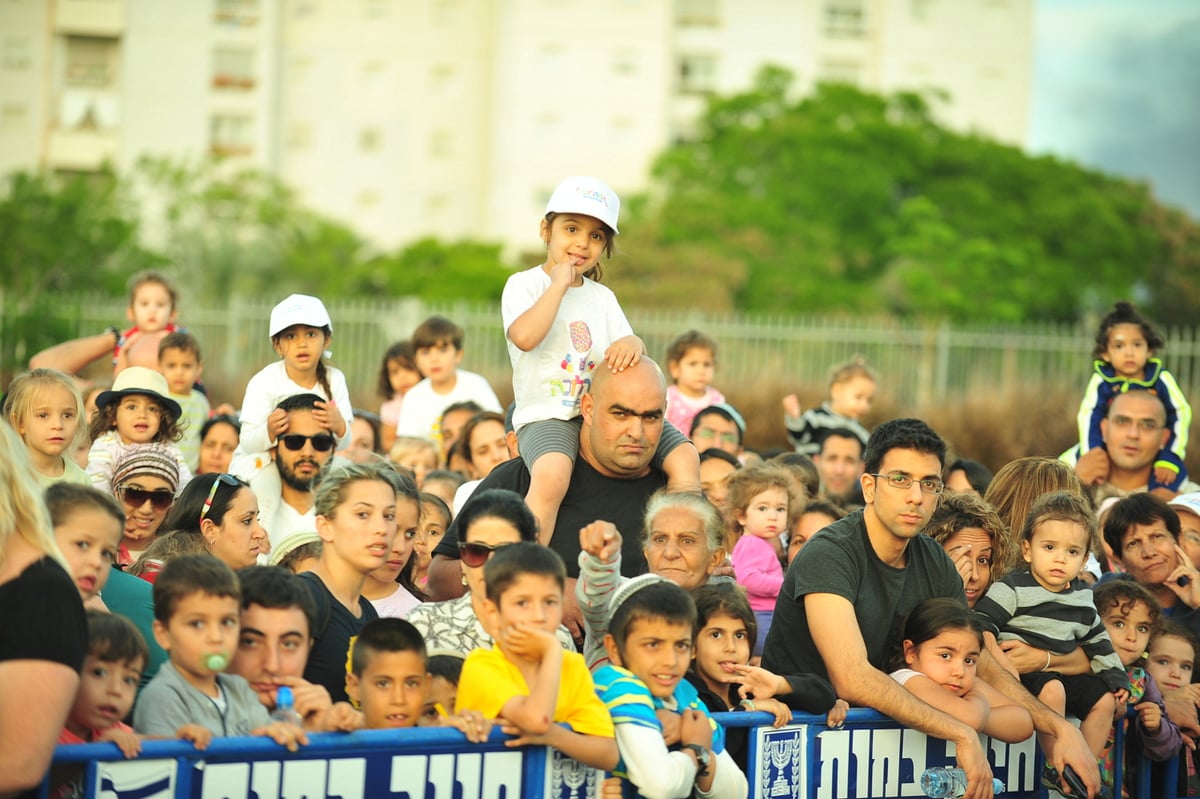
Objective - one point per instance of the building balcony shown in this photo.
(81, 150)
(103, 18)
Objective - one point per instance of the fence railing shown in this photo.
(870, 756)
(919, 363)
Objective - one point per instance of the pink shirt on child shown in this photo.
(682, 409)
(757, 568)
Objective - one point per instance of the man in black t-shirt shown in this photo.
(613, 477)
(843, 596)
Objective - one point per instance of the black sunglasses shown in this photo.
(321, 442)
(137, 497)
(475, 555)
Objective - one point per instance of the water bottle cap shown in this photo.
(283, 696)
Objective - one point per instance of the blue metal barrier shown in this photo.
(870, 756)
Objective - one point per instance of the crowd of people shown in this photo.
(596, 568)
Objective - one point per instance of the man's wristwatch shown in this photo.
(703, 758)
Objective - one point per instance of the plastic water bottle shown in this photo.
(285, 708)
(950, 782)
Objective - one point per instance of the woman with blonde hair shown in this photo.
(42, 625)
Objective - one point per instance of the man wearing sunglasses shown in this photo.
(301, 456)
(612, 480)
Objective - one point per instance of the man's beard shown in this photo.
(296, 482)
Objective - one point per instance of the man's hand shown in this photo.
(973, 761)
(601, 540)
(308, 699)
(757, 682)
(1092, 467)
(1068, 748)
(1181, 709)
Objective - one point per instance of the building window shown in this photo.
(839, 71)
(697, 74)
(845, 19)
(236, 13)
(17, 55)
(698, 13)
(90, 62)
(231, 136)
(233, 70)
(370, 140)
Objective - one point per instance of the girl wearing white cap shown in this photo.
(300, 331)
(560, 324)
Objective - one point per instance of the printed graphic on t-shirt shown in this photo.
(578, 367)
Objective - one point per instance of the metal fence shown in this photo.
(920, 364)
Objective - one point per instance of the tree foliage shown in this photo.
(862, 203)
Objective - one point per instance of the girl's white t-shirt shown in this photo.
(550, 379)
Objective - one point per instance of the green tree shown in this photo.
(849, 201)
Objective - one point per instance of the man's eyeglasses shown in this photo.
(903, 481)
(707, 435)
(227, 479)
(321, 442)
(475, 554)
(1143, 425)
(137, 497)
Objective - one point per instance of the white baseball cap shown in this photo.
(299, 309)
(584, 195)
(1189, 502)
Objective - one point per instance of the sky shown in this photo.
(1117, 87)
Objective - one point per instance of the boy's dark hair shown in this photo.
(300, 402)
(1143, 508)
(1061, 506)
(140, 279)
(446, 665)
(658, 599)
(437, 330)
(401, 351)
(713, 453)
(276, 588)
(63, 499)
(526, 557)
(115, 639)
(179, 340)
(691, 340)
(192, 574)
(978, 475)
(903, 434)
(825, 508)
(1123, 313)
(1120, 594)
(384, 635)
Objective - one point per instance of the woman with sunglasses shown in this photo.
(356, 520)
(145, 479)
(221, 511)
(491, 520)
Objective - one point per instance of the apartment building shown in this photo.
(455, 118)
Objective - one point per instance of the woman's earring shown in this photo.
(464, 579)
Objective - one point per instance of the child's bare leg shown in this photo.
(1054, 696)
(682, 467)
(1098, 724)
(549, 477)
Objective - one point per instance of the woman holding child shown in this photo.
(42, 625)
(491, 520)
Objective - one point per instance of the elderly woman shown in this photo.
(491, 520)
(971, 533)
(43, 634)
(683, 540)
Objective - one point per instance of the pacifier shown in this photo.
(216, 661)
